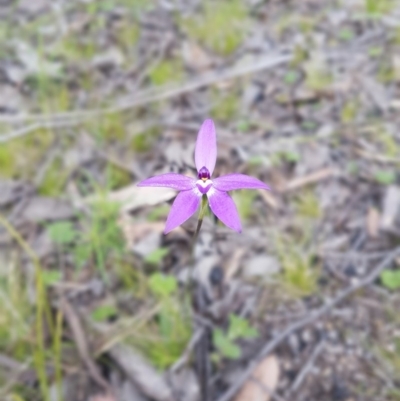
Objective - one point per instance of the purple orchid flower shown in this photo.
(192, 190)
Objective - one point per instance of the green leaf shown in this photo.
(155, 257)
(167, 322)
(391, 279)
(51, 276)
(162, 285)
(103, 312)
(385, 177)
(255, 160)
(375, 51)
(291, 77)
(346, 34)
(309, 125)
(243, 125)
(62, 232)
(240, 328)
(225, 346)
(291, 156)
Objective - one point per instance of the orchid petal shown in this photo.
(231, 182)
(171, 180)
(224, 208)
(205, 154)
(184, 206)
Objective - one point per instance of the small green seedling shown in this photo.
(51, 277)
(164, 338)
(349, 111)
(155, 257)
(103, 313)
(385, 177)
(244, 201)
(243, 125)
(378, 7)
(346, 34)
(307, 205)
(167, 71)
(391, 279)
(291, 77)
(375, 51)
(239, 328)
(62, 232)
(162, 285)
(291, 156)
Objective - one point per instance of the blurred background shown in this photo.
(98, 95)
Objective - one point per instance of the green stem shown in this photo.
(190, 283)
(203, 209)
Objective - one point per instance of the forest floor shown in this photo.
(96, 303)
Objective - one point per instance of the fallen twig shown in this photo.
(307, 367)
(371, 277)
(82, 345)
(311, 178)
(152, 95)
(36, 126)
(188, 350)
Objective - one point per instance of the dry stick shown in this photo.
(307, 367)
(82, 345)
(369, 279)
(148, 96)
(183, 359)
(36, 126)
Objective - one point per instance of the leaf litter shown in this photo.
(305, 97)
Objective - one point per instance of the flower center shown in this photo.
(203, 185)
(204, 174)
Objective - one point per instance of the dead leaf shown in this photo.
(262, 383)
(147, 379)
(373, 219)
(10, 99)
(261, 266)
(31, 59)
(10, 191)
(185, 380)
(195, 57)
(391, 207)
(133, 197)
(33, 7)
(135, 232)
(376, 91)
(110, 58)
(234, 263)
